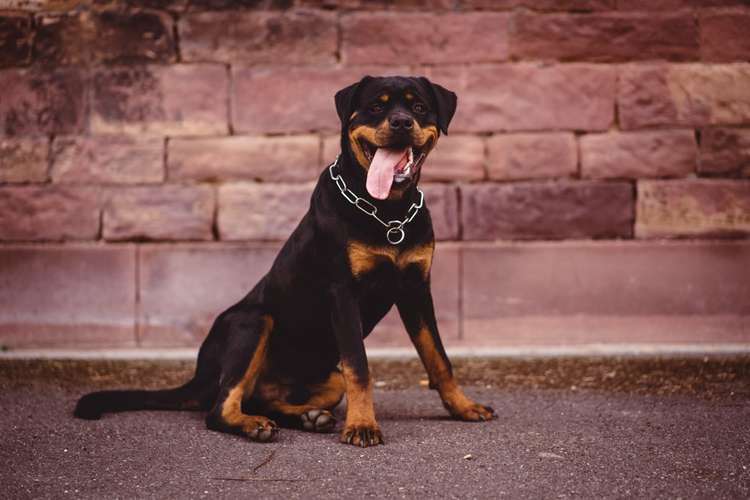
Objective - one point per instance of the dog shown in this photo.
(286, 353)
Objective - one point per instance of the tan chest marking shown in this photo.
(364, 258)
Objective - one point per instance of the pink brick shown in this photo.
(169, 212)
(380, 4)
(605, 37)
(442, 202)
(725, 151)
(381, 38)
(684, 95)
(15, 39)
(277, 37)
(184, 287)
(24, 159)
(42, 102)
(546, 210)
(107, 159)
(456, 157)
(671, 5)
(614, 292)
(520, 97)
(161, 100)
(53, 213)
(724, 36)
(541, 5)
(663, 153)
(331, 148)
(532, 156)
(704, 208)
(293, 158)
(249, 211)
(290, 100)
(70, 296)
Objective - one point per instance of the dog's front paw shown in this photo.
(260, 429)
(362, 435)
(473, 412)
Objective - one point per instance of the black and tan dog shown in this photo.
(275, 355)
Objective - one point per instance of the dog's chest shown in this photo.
(366, 260)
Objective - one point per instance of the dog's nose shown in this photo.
(400, 121)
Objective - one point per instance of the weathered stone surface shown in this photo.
(110, 36)
(671, 5)
(542, 5)
(687, 95)
(520, 97)
(725, 151)
(532, 156)
(724, 36)
(455, 157)
(107, 159)
(382, 37)
(442, 201)
(184, 287)
(663, 153)
(605, 292)
(547, 210)
(15, 39)
(169, 212)
(40, 102)
(23, 159)
(71, 296)
(706, 208)
(605, 37)
(331, 148)
(380, 4)
(161, 100)
(52, 213)
(289, 100)
(249, 211)
(275, 37)
(293, 158)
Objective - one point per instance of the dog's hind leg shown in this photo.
(247, 335)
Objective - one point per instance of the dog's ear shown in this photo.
(445, 103)
(346, 97)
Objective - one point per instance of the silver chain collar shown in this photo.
(395, 228)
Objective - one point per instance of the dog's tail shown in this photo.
(194, 395)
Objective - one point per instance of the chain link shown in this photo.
(393, 226)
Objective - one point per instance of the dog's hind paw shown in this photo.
(318, 421)
(260, 429)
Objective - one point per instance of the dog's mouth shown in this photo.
(391, 165)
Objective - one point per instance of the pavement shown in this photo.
(567, 428)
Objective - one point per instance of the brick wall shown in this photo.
(595, 186)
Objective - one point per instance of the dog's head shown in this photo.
(389, 125)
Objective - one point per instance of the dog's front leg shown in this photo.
(360, 428)
(418, 314)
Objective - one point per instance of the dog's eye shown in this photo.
(420, 108)
(376, 108)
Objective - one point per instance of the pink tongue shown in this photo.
(382, 168)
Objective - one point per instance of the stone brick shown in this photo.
(249, 211)
(109, 36)
(23, 159)
(547, 210)
(724, 35)
(168, 212)
(442, 201)
(520, 97)
(15, 39)
(671, 5)
(331, 148)
(107, 159)
(705, 208)
(184, 287)
(290, 99)
(42, 102)
(663, 153)
(605, 37)
(532, 156)
(68, 296)
(424, 38)
(265, 37)
(29, 213)
(379, 4)
(456, 157)
(245, 158)
(541, 5)
(725, 151)
(605, 292)
(161, 100)
(684, 95)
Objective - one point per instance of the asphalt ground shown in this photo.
(567, 428)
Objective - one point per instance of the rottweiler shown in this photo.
(294, 345)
